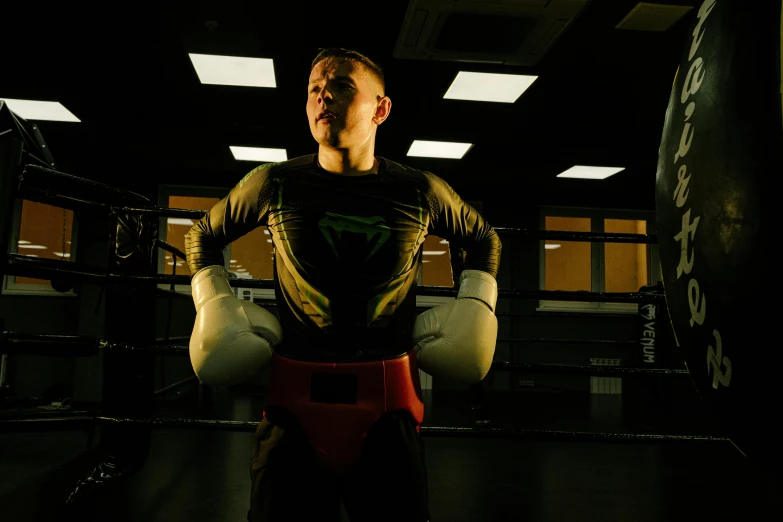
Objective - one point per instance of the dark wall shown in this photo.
(30, 375)
(74, 313)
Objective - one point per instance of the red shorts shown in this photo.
(337, 403)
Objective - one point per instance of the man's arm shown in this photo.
(474, 244)
(242, 210)
(232, 339)
(457, 339)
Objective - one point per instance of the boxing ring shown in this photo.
(129, 283)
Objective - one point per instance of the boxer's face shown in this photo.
(355, 97)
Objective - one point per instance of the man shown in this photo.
(344, 408)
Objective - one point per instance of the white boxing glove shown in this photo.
(232, 339)
(457, 340)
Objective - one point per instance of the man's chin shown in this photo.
(330, 142)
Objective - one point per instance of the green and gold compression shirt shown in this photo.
(347, 250)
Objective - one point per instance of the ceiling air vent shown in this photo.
(653, 17)
(512, 32)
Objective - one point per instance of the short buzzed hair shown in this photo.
(356, 56)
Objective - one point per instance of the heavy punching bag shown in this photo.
(716, 198)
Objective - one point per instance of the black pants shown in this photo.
(387, 483)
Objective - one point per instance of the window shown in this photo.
(568, 263)
(435, 270)
(436, 263)
(592, 266)
(41, 231)
(252, 255)
(178, 228)
(249, 257)
(625, 264)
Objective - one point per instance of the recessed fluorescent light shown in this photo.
(584, 172)
(425, 261)
(444, 241)
(241, 270)
(62, 254)
(647, 16)
(233, 261)
(33, 247)
(172, 263)
(551, 247)
(234, 70)
(22, 242)
(258, 154)
(433, 252)
(488, 87)
(180, 221)
(439, 149)
(40, 110)
(268, 240)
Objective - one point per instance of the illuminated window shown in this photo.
(178, 228)
(568, 263)
(45, 232)
(436, 263)
(249, 257)
(252, 255)
(595, 266)
(625, 264)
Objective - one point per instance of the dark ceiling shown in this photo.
(124, 70)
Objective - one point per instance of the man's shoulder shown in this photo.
(405, 171)
(291, 165)
(257, 178)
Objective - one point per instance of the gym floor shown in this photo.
(202, 475)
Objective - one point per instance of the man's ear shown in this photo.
(382, 110)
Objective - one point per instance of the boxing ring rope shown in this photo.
(594, 237)
(82, 421)
(47, 268)
(52, 187)
(175, 386)
(171, 249)
(58, 184)
(75, 193)
(83, 346)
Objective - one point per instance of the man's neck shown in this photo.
(345, 164)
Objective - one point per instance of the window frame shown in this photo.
(597, 258)
(10, 286)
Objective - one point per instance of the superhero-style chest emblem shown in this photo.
(374, 228)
